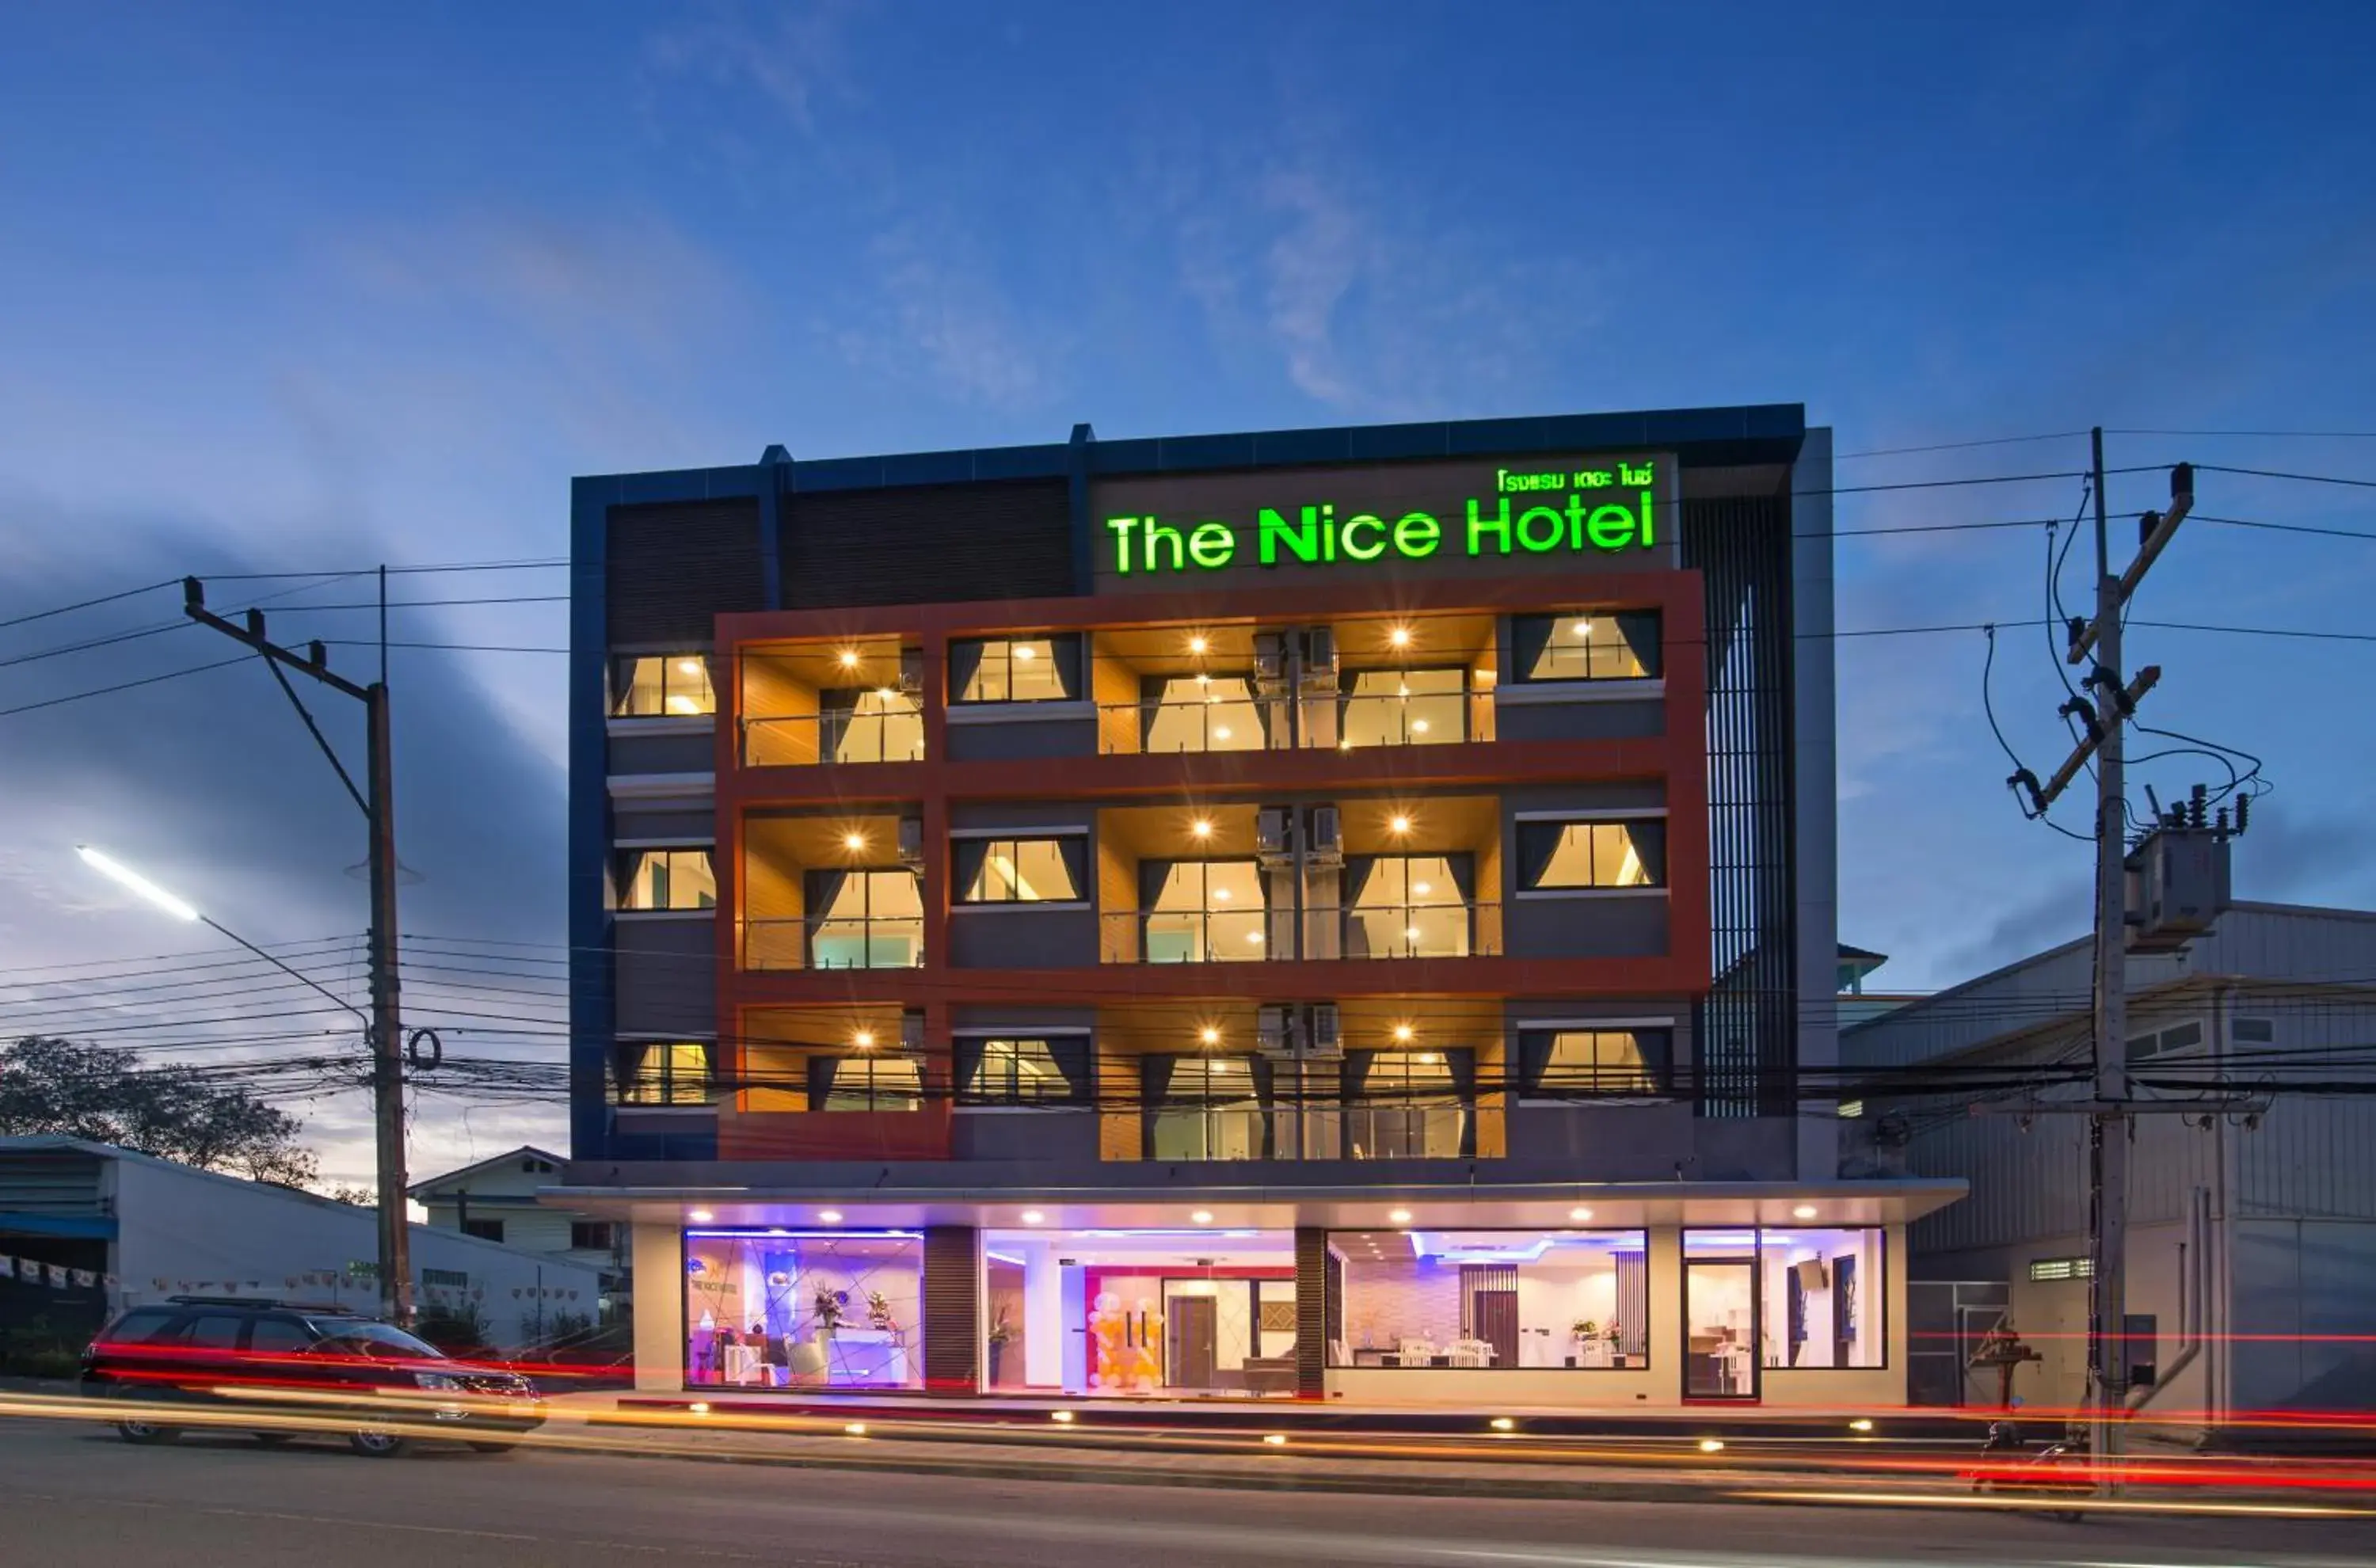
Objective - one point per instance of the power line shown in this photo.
(2275, 473)
(1957, 445)
(86, 604)
(121, 686)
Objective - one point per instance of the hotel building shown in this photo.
(1336, 914)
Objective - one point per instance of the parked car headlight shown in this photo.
(439, 1380)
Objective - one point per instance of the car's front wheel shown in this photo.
(373, 1444)
(140, 1432)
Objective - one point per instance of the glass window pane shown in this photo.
(1822, 1293)
(668, 879)
(1494, 1300)
(1205, 713)
(1587, 646)
(638, 692)
(808, 1311)
(1594, 854)
(1021, 871)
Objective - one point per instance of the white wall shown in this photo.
(199, 1233)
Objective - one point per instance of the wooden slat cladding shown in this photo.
(1311, 1313)
(928, 544)
(673, 567)
(952, 1309)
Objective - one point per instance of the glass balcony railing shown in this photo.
(1256, 935)
(830, 942)
(835, 736)
(1439, 1128)
(1350, 722)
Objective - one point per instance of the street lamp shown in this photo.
(183, 910)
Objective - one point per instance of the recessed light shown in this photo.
(1711, 1445)
(1579, 1215)
(1502, 1423)
(1220, 895)
(1804, 1211)
(1197, 645)
(1276, 1439)
(1418, 726)
(701, 1217)
(1033, 1216)
(1343, 745)
(1399, 636)
(1202, 827)
(1862, 1423)
(689, 666)
(1583, 628)
(887, 693)
(829, 1216)
(1209, 1034)
(855, 1429)
(1399, 1216)
(1202, 1217)
(1402, 1031)
(699, 1407)
(1255, 936)
(1423, 888)
(1410, 933)
(1398, 825)
(1024, 653)
(853, 842)
(864, 1040)
(1062, 1418)
(1221, 731)
(849, 659)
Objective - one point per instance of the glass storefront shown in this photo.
(1195, 1312)
(808, 1309)
(1759, 1301)
(1490, 1300)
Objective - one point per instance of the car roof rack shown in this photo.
(223, 1302)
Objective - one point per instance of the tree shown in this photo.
(362, 1197)
(174, 1113)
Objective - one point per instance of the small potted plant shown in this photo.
(830, 1306)
(878, 1311)
(1585, 1330)
(1001, 1331)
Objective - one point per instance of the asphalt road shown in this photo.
(72, 1494)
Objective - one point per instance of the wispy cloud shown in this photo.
(794, 57)
(936, 316)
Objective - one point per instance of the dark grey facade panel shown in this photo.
(1022, 937)
(667, 977)
(674, 566)
(1022, 740)
(1058, 1137)
(1641, 720)
(664, 754)
(927, 544)
(1617, 926)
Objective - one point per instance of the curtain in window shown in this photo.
(1529, 634)
(1463, 1066)
(1640, 630)
(965, 663)
(1464, 874)
(1075, 849)
(1154, 1089)
(1538, 842)
(1265, 1076)
(821, 1080)
(1354, 1075)
(627, 1065)
(1064, 655)
(822, 889)
(1359, 869)
(1534, 1057)
(1649, 836)
(967, 863)
(968, 1055)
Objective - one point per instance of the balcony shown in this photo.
(1222, 934)
(1336, 1130)
(813, 705)
(816, 893)
(834, 941)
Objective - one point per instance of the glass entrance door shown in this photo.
(1720, 1327)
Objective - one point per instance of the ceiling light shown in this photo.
(1220, 895)
(1502, 1423)
(1202, 827)
(1202, 679)
(1197, 645)
(701, 1217)
(1429, 1058)
(1062, 1418)
(849, 659)
(855, 1429)
(1398, 825)
(1343, 745)
(887, 693)
(1402, 1031)
(1410, 933)
(1202, 1217)
(1276, 1439)
(680, 702)
(1254, 937)
(1399, 1216)
(1583, 628)
(1711, 1445)
(1209, 1034)
(1423, 888)
(1579, 1215)
(1033, 1216)
(1221, 731)
(853, 842)
(864, 1040)
(1399, 636)
(1862, 1423)
(1804, 1211)
(829, 1216)
(1024, 653)
(689, 666)
(1403, 690)
(1418, 726)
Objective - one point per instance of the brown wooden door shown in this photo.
(1495, 1315)
(1192, 1331)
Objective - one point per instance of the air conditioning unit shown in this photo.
(1320, 659)
(1328, 841)
(911, 671)
(911, 842)
(1274, 837)
(1270, 663)
(1275, 1033)
(1324, 1038)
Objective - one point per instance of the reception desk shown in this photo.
(867, 1358)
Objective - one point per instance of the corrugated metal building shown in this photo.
(2253, 1241)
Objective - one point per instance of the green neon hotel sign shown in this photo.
(1530, 513)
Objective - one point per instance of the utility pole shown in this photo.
(377, 802)
(2109, 1116)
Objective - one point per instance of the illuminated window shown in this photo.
(2044, 1271)
(1207, 713)
(1407, 1104)
(870, 1083)
(664, 1073)
(1592, 854)
(1204, 1108)
(1204, 911)
(864, 920)
(872, 725)
(670, 685)
(1023, 1072)
(667, 879)
(1595, 1063)
(1407, 906)
(985, 669)
(1020, 870)
(1586, 646)
(1404, 707)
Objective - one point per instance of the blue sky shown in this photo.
(309, 289)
